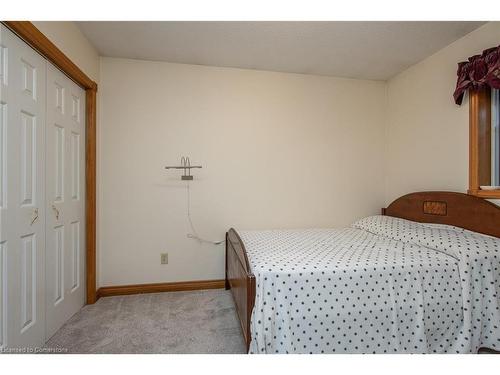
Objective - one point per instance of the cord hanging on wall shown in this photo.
(186, 166)
(194, 235)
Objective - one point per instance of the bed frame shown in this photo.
(241, 281)
(461, 210)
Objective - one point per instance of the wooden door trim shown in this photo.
(40, 43)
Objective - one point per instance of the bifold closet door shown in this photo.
(42, 233)
(65, 168)
(22, 193)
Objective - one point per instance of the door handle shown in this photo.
(35, 216)
(56, 211)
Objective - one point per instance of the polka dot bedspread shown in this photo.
(384, 285)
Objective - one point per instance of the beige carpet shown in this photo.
(178, 322)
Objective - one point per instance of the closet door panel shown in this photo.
(4, 99)
(3, 211)
(22, 132)
(3, 294)
(65, 262)
(76, 187)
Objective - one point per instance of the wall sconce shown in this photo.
(186, 166)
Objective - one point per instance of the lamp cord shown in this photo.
(194, 235)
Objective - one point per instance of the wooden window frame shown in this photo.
(479, 141)
(39, 42)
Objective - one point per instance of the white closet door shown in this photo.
(22, 193)
(65, 199)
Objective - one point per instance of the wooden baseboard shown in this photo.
(120, 290)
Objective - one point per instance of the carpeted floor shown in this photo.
(178, 322)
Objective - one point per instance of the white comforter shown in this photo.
(386, 285)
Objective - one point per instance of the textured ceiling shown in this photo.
(366, 50)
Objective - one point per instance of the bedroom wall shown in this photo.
(278, 151)
(427, 135)
(69, 39)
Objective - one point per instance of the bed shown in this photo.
(423, 277)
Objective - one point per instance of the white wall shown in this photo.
(427, 135)
(278, 151)
(70, 40)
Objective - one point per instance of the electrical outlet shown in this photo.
(164, 258)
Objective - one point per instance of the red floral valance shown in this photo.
(480, 71)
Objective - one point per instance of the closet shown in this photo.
(42, 155)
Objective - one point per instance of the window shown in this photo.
(484, 149)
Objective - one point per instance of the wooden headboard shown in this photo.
(461, 210)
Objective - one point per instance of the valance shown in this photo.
(479, 72)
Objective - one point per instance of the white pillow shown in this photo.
(443, 226)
